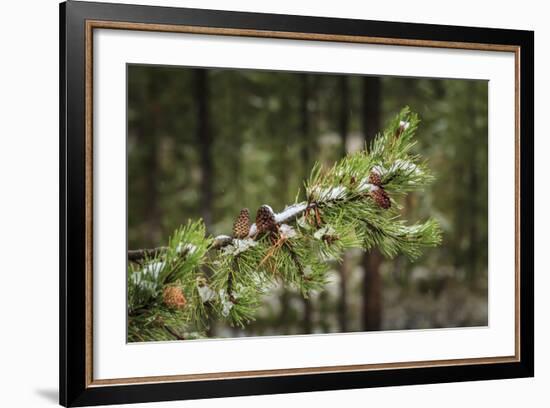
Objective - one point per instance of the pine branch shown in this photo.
(290, 214)
(350, 205)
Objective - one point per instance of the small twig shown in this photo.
(174, 333)
(276, 245)
(230, 278)
(137, 255)
(295, 259)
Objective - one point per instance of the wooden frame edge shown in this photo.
(89, 205)
(290, 35)
(231, 375)
(90, 25)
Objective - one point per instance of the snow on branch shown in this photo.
(289, 214)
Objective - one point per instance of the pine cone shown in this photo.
(381, 198)
(374, 178)
(265, 219)
(241, 227)
(173, 297)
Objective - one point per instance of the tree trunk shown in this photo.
(151, 162)
(204, 140)
(305, 153)
(372, 285)
(345, 265)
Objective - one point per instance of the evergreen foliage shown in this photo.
(350, 205)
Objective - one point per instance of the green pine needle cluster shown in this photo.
(227, 282)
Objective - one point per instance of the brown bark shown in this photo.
(343, 301)
(372, 291)
(372, 284)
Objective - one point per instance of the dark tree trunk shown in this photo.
(372, 285)
(372, 291)
(204, 139)
(305, 153)
(371, 112)
(304, 122)
(344, 267)
(343, 120)
(151, 162)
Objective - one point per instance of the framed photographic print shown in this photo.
(255, 203)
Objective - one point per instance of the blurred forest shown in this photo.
(208, 142)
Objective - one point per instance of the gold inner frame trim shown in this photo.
(98, 24)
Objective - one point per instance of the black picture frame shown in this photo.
(75, 387)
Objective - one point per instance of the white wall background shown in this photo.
(29, 202)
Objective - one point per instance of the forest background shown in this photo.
(204, 143)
